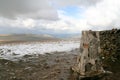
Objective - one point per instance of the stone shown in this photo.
(97, 48)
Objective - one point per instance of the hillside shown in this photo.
(25, 37)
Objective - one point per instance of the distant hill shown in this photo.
(26, 37)
(74, 37)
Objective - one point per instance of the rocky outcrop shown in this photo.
(97, 50)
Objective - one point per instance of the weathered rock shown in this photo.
(97, 49)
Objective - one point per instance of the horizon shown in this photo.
(53, 35)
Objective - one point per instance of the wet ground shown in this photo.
(48, 66)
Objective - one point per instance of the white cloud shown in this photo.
(45, 14)
(29, 23)
(81, 3)
(104, 14)
(18, 23)
(99, 15)
(66, 24)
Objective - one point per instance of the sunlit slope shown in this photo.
(26, 37)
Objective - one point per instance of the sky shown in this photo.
(58, 16)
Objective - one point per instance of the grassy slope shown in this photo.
(25, 37)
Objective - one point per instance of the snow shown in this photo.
(18, 50)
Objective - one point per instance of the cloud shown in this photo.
(105, 15)
(36, 9)
(18, 23)
(38, 16)
(65, 24)
(81, 3)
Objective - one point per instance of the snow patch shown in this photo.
(19, 50)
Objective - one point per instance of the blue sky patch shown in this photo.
(73, 11)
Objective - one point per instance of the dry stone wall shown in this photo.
(110, 48)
